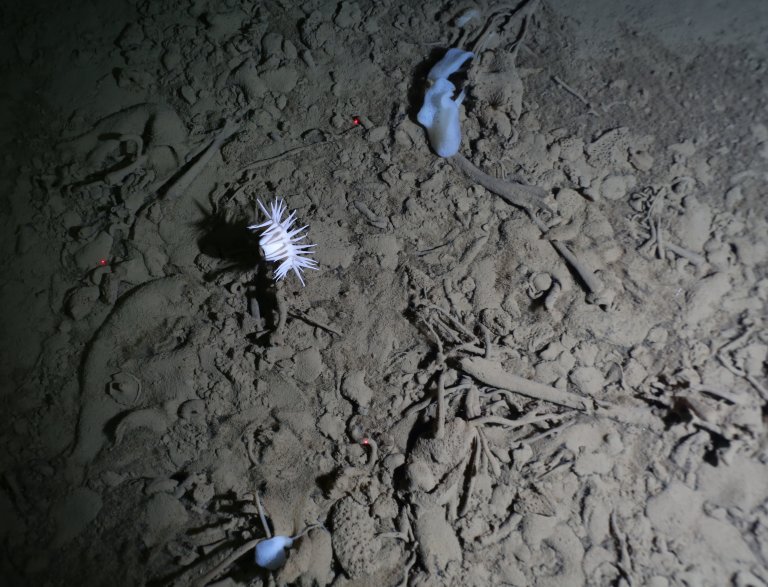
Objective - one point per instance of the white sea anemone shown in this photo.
(279, 243)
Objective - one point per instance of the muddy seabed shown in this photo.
(467, 392)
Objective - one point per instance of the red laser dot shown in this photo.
(355, 120)
(102, 262)
(365, 441)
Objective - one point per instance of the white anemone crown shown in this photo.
(280, 243)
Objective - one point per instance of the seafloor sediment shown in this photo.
(539, 362)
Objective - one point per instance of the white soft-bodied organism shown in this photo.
(270, 554)
(440, 116)
(450, 63)
(280, 244)
(440, 112)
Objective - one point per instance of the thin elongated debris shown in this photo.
(490, 373)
